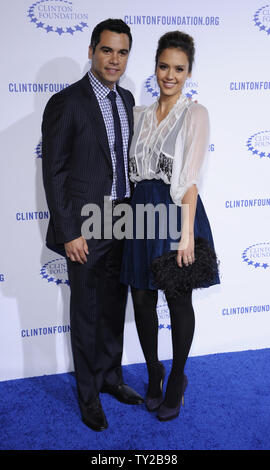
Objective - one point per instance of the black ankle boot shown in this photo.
(154, 396)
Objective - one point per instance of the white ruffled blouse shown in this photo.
(173, 150)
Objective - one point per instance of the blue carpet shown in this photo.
(227, 407)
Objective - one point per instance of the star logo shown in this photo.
(260, 253)
(55, 271)
(261, 19)
(259, 144)
(38, 150)
(48, 15)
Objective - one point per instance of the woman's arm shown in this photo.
(186, 245)
(185, 177)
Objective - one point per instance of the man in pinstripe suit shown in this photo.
(83, 150)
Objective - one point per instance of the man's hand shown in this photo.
(77, 250)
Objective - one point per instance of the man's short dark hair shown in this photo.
(115, 25)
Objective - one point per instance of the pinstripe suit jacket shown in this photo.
(76, 160)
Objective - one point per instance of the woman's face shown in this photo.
(172, 72)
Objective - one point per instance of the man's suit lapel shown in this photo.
(92, 108)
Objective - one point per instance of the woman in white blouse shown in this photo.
(167, 151)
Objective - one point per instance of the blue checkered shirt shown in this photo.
(101, 91)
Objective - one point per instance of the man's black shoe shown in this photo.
(93, 415)
(123, 393)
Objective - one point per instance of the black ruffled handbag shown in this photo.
(173, 279)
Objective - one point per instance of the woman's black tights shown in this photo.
(182, 330)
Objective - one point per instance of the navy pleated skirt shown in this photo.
(140, 250)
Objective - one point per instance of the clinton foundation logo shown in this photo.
(55, 271)
(259, 144)
(57, 16)
(38, 150)
(164, 321)
(258, 255)
(262, 19)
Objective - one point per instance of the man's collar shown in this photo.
(101, 90)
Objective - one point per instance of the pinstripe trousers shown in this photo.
(97, 315)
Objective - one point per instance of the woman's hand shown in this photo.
(185, 254)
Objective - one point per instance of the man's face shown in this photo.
(110, 57)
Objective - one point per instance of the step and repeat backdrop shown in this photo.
(44, 49)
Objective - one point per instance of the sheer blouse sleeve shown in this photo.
(191, 145)
(137, 112)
